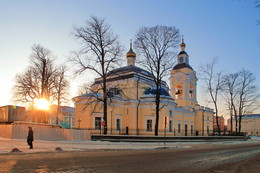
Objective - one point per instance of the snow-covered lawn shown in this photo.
(6, 145)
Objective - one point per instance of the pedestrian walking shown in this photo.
(30, 137)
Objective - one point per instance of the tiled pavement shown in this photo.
(28, 160)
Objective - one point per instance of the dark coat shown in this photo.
(30, 135)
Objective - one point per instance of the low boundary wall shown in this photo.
(129, 138)
(43, 133)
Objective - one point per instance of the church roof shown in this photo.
(183, 52)
(130, 68)
(182, 65)
(151, 91)
(125, 72)
(251, 116)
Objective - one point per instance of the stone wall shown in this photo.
(43, 133)
(6, 131)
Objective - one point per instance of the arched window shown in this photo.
(178, 92)
(191, 92)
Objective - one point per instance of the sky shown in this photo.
(226, 29)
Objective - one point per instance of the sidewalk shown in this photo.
(6, 145)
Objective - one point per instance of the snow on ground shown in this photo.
(256, 138)
(6, 145)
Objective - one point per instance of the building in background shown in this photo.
(63, 117)
(11, 113)
(18, 114)
(250, 124)
(221, 122)
(131, 107)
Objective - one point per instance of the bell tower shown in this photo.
(183, 81)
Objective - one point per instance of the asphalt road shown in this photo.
(163, 160)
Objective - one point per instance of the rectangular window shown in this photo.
(179, 128)
(191, 129)
(170, 113)
(67, 120)
(118, 124)
(149, 124)
(170, 126)
(186, 129)
(181, 60)
(97, 122)
(208, 129)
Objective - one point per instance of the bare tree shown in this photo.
(100, 52)
(157, 45)
(241, 93)
(37, 81)
(248, 96)
(84, 88)
(61, 88)
(257, 4)
(230, 95)
(214, 84)
(41, 79)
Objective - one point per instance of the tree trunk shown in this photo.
(235, 115)
(43, 79)
(157, 108)
(157, 116)
(217, 118)
(236, 123)
(105, 115)
(231, 123)
(105, 105)
(239, 124)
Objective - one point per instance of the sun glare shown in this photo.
(42, 104)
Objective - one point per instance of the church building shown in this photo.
(131, 103)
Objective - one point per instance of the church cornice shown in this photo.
(181, 66)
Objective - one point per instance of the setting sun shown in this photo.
(42, 104)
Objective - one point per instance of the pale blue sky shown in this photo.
(212, 28)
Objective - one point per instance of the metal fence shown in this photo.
(161, 132)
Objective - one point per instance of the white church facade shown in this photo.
(132, 107)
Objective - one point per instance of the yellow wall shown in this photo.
(251, 126)
(127, 112)
(134, 111)
(180, 80)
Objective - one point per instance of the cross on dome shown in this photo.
(182, 45)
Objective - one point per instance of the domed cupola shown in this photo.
(183, 45)
(151, 92)
(131, 56)
(183, 58)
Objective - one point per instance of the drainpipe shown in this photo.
(137, 108)
(203, 121)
